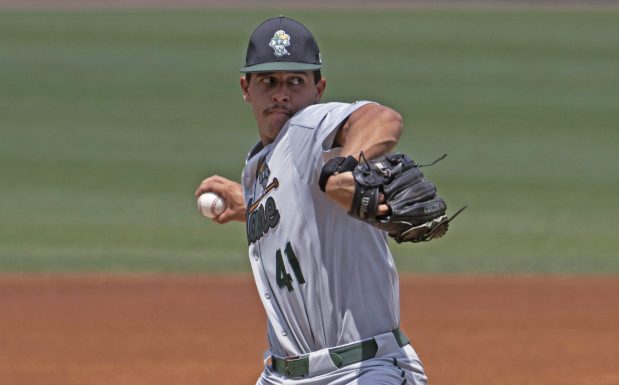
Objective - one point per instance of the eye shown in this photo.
(266, 80)
(296, 81)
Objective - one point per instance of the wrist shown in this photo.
(336, 166)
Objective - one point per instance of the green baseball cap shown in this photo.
(282, 44)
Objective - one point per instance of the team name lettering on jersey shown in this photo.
(261, 217)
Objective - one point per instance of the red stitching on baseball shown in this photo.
(214, 206)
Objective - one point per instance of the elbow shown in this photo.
(393, 125)
(398, 124)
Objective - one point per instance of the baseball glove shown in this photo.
(416, 213)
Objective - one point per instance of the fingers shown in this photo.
(229, 215)
(225, 217)
(383, 209)
(215, 183)
(221, 219)
(232, 194)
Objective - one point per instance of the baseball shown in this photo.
(211, 204)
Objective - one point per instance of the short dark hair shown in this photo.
(317, 76)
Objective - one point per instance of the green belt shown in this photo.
(298, 367)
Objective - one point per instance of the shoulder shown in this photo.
(312, 116)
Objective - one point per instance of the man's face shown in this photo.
(276, 96)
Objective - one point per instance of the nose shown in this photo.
(281, 95)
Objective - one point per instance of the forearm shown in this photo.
(373, 130)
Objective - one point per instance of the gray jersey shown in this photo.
(324, 278)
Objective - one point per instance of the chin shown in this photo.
(276, 127)
(274, 133)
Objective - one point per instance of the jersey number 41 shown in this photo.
(283, 278)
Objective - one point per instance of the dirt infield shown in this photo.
(210, 330)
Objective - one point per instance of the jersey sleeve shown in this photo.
(312, 133)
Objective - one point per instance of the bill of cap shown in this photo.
(280, 66)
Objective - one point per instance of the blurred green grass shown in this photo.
(109, 119)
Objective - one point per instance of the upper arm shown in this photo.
(369, 122)
(312, 135)
(340, 137)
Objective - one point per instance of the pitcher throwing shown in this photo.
(318, 196)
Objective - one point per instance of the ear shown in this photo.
(320, 88)
(245, 89)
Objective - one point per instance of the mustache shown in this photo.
(278, 107)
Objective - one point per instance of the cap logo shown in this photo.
(279, 42)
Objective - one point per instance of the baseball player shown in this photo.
(326, 279)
